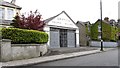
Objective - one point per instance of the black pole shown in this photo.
(101, 25)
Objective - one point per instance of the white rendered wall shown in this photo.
(47, 30)
(63, 21)
(77, 38)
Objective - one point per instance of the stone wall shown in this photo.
(20, 51)
(105, 44)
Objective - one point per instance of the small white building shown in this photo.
(62, 31)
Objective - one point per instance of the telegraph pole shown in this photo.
(101, 25)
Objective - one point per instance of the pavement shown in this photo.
(63, 54)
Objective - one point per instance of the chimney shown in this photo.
(106, 19)
(13, 1)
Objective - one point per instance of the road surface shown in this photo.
(109, 58)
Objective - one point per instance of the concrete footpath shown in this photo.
(51, 58)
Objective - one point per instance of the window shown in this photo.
(88, 29)
(99, 28)
(99, 35)
(10, 14)
(2, 13)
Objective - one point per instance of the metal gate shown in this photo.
(62, 38)
(54, 38)
(71, 38)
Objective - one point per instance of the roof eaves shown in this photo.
(7, 4)
(82, 23)
(51, 18)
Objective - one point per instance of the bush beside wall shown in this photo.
(24, 36)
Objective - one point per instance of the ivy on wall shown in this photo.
(108, 32)
(94, 31)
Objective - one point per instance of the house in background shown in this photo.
(109, 30)
(118, 26)
(62, 31)
(8, 11)
(84, 33)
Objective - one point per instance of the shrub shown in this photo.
(32, 21)
(24, 36)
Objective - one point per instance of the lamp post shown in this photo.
(101, 25)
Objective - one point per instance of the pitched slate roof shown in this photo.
(109, 22)
(80, 22)
(7, 4)
(99, 20)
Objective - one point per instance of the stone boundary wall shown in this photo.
(11, 52)
(105, 44)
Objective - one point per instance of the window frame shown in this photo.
(10, 13)
(2, 13)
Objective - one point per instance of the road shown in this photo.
(109, 58)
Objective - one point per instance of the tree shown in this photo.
(32, 21)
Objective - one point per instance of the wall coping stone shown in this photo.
(5, 40)
(100, 41)
(27, 44)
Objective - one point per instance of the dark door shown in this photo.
(63, 38)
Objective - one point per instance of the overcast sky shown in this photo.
(82, 10)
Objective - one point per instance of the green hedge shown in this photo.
(24, 36)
